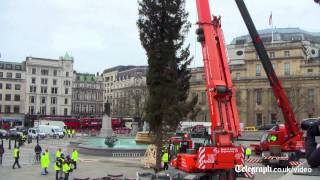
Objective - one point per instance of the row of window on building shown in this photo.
(9, 109)
(86, 108)
(43, 110)
(10, 66)
(44, 90)
(10, 75)
(10, 97)
(9, 86)
(45, 72)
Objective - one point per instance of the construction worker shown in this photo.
(58, 153)
(248, 152)
(66, 169)
(47, 162)
(73, 132)
(43, 164)
(69, 133)
(58, 167)
(165, 160)
(61, 159)
(74, 158)
(16, 155)
(1, 151)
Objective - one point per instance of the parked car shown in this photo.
(14, 133)
(3, 134)
(35, 132)
(250, 129)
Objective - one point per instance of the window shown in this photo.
(44, 72)
(286, 68)
(259, 119)
(44, 90)
(272, 54)
(44, 81)
(18, 67)
(311, 96)
(0, 98)
(258, 96)
(33, 89)
(273, 118)
(8, 97)
(286, 53)
(43, 100)
(67, 74)
(9, 75)
(274, 66)
(31, 110)
(16, 97)
(65, 101)
(33, 71)
(8, 66)
(237, 76)
(16, 109)
(18, 75)
(66, 91)
(8, 86)
(310, 70)
(53, 100)
(258, 70)
(54, 90)
(43, 110)
(55, 72)
(0, 85)
(32, 99)
(7, 109)
(53, 110)
(1, 66)
(1, 74)
(33, 80)
(65, 111)
(54, 82)
(17, 87)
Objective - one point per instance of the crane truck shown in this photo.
(288, 139)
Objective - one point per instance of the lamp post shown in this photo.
(38, 118)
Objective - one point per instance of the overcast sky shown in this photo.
(102, 33)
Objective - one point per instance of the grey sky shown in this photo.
(103, 33)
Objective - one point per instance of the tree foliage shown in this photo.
(162, 26)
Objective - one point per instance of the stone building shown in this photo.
(12, 92)
(125, 90)
(49, 86)
(87, 95)
(295, 56)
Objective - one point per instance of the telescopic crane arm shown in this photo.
(278, 91)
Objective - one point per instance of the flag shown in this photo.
(270, 19)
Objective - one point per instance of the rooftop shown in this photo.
(12, 65)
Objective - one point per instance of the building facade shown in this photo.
(49, 86)
(126, 90)
(87, 95)
(12, 92)
(295, 56)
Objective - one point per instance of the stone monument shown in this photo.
(106, 129)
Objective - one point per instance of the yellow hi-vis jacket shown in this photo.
(165, 157)
(74, 155)
(58, 154)
(15, 152)
(248, 151)
(43, 161)
(57, 165)
(66, 168)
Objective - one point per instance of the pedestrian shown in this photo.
(73, 132)
(16, 156)
(37, 150)
(61, 159)
(66, 169)
(74, 158)
(248, 152)
(58, 153)
(43, 164)
(1, 151)
(165, 160)
(58, 167)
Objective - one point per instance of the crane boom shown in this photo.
(278, 91)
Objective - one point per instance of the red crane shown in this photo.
(222, 155)
(289, 137)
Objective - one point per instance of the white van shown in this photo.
(34, 132)
(53, 131)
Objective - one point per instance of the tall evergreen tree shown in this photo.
(163, 25)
